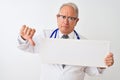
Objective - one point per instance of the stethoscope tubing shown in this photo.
(56, 30)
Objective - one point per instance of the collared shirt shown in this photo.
(56, 71)
(71, 35)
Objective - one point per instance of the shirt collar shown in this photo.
(71, 35)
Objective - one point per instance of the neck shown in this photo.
(65, 33)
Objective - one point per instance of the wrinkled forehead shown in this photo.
(67, 11)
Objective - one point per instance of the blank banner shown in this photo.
(74, 52)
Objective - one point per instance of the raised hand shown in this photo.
(27, 34)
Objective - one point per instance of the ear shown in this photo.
(77, 20)
(57, 16)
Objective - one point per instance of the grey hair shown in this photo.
(73, 5)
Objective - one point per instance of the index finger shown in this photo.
(22, 29)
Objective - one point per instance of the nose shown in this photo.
(66, 21)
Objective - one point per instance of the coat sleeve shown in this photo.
(24, 45)
(93, 71)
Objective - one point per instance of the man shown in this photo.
(67, 19)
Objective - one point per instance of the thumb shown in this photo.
(31, 42)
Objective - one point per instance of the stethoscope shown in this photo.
(56, 30)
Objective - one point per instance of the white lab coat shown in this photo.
(56, 71)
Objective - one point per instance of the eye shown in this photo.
(71, 18)
(64, 17)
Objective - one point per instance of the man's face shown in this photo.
(67, 19)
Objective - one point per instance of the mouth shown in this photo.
(66, 26)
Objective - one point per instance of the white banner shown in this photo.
(74, 52)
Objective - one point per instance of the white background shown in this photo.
(99, 20)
